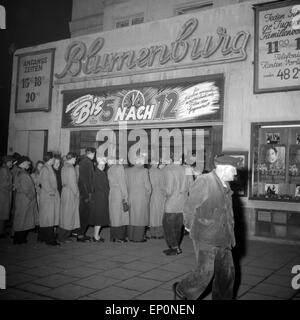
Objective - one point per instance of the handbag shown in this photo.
(125, 205)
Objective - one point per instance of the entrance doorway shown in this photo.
(33, 143)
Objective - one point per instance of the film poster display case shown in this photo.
(275, 176)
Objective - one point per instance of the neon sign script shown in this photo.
(88, 61)
(157, 103)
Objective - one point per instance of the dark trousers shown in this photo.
(46, 234)
(212, 263)
(63, 234)
(20, 237)
(118, 233)
(2, 227)
(84, 214)
(173, 228)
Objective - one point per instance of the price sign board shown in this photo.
(277, 47)
(34, 81)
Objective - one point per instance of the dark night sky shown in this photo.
(28, 23)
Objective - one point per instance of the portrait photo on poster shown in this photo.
(271, 161)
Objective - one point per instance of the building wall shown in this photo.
(90, 16)
(241, 106)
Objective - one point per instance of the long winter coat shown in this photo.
(86, 178)
(25, 202)
(117, 192)
(69, 203)
(5, 192)
(49, 198)
(99, 215)
(158, 197)
(176, 187)
(36, 180)
(139, 190)
(208, 212)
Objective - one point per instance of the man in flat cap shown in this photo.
(208, 216)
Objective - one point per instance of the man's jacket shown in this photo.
(86, 178)
(208, 212)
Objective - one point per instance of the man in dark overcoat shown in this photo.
(86, 188)
(208, 216)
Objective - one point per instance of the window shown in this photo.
(195, 7)
(212, 142)
(277, 224)
(275, 161)
(125, 22)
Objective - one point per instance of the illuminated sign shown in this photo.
(178, 102)
(93, 58)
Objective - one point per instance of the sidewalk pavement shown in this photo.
(134, 271)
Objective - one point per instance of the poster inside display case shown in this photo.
(275, 162)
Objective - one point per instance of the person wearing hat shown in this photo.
(139, 190)
(208, 216)
(99, 215)
(86, 188)
(69, 203)
(176, 188)
(25, 202)
(5, 192)
(49, 206)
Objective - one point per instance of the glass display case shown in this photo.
(275, 161)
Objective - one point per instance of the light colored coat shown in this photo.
(69, 204)
(25, 202)
(117, 192)
(139, 190)
(158, 197)
(176, 187)
(49, 198)
(5, 192)
(36, 180)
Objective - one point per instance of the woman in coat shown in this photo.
(69, 203)
(157, 200)
(25, 202)
(6, 187)
(36, 179)
(49, 202)
(99, 214)
(139, 190)
(119, 219)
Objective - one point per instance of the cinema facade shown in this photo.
(230, 73)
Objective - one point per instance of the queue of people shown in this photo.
(62, 198)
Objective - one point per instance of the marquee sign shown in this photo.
(194, 101)
(93, 57)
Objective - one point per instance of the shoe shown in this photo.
(84, 239)
(177, 296)
(174, 252)
(99, 240)
(167, 251)
(53, 243)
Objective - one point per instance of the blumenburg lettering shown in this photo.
(89, 61)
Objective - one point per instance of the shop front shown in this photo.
(183, 84)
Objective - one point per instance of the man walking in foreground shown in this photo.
(208, 216)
